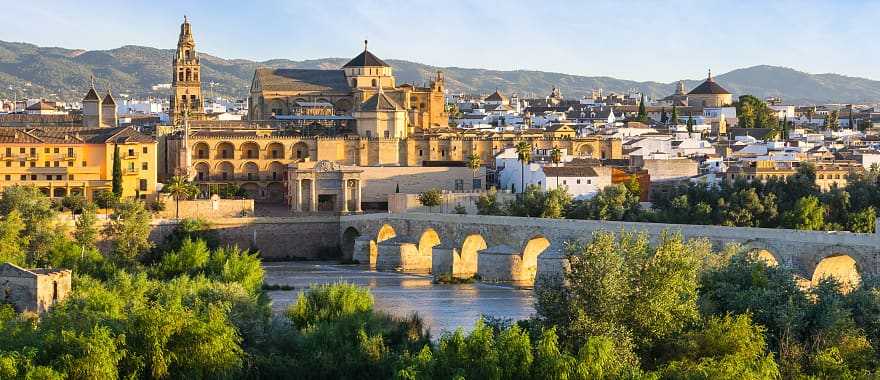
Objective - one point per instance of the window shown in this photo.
(70, 164)
(143, 184)
(8, 151)
(144, 150)
(46, 150)
(8, 164)
(144, 166)
(201, 176)
(131, 152)
(33, 151)
(33, 177)
(8, 177)
(459, 185)
(202, 153)
(21, 150)
(33, 164)
(564, 182)
(58, 177)
(589, 181)
(46, 164)
(387, 134)
(477, 184)
(420, 152)
(578, 181)
(55, 150)
(48, 177)
(375, 83)
(56, 164)
(224, 175)
(21, 163)
(131, 166)
(70, 177)
(23, 177)
(84, 164)
(69, 152)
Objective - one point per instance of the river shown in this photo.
(443, 307)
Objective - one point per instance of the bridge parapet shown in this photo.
(802, 251)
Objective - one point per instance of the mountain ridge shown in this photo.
(132, 69)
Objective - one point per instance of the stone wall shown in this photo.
(379, 182)
(275, 238)
(402, 203)
(207, 208)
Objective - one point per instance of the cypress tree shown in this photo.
(117, 172)
(690, 123)
(674, 117)
(663, 117)
(643, 113)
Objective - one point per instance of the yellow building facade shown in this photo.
(63, 161)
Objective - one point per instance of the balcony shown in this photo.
(130, 172)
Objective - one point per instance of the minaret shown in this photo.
(186, 88)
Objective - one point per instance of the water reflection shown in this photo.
(443, 307)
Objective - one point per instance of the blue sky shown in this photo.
(640, 40)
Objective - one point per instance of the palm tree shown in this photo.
(556, 157)
(524, 155)
(473, 162)
(179, 186)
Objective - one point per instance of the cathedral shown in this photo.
(363, 91)
(186, 88)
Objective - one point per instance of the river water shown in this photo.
(443, 307)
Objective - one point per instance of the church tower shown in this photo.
(91, 108)
(186, 88)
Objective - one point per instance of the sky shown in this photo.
(660, 41)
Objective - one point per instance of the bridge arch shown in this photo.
(349, 236)
(531, 249)
(427, 241)
(385, 232)
(841, 267)
(466, 263)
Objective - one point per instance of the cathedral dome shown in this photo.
(709, 87)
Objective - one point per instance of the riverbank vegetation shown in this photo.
(627, 309)
(795, 202)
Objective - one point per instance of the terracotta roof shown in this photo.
(301, 80)
(379, 102)
(496, 97)
(42, 105)
(366, 59)
(570, 171)
(708, 87)
(73, 135)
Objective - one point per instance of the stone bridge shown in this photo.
(500, 248)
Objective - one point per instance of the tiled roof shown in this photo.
(496, 97)
(42, 105)
(708, 87)
(301, 80)
(73, 135)
(379, 102)
(91, 95)
(366, 59)
(570, 171)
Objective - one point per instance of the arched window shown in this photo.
(375, 83)
(188, 75)
(180, 76)
(195, 75)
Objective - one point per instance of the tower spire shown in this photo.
(365, 45)
(710, 74)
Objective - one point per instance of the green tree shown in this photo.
(863, 221)
(643, 113)
(431, 198)
(674, 118)
(129, 227)
(117, 172)
(12, 242)
(664, 118)
(524, 155)
(73, 203)
(487, 204)
(86, 233)
(615, 202)
(808, 214)
(752, 112)
(690, 124)
(180, 187)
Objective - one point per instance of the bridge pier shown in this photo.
(443, 261)
(365, 251)
(551, 264)
(412, 260)
(503, 263)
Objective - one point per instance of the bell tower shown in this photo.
(186, 88)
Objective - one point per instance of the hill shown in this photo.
(64, 73)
